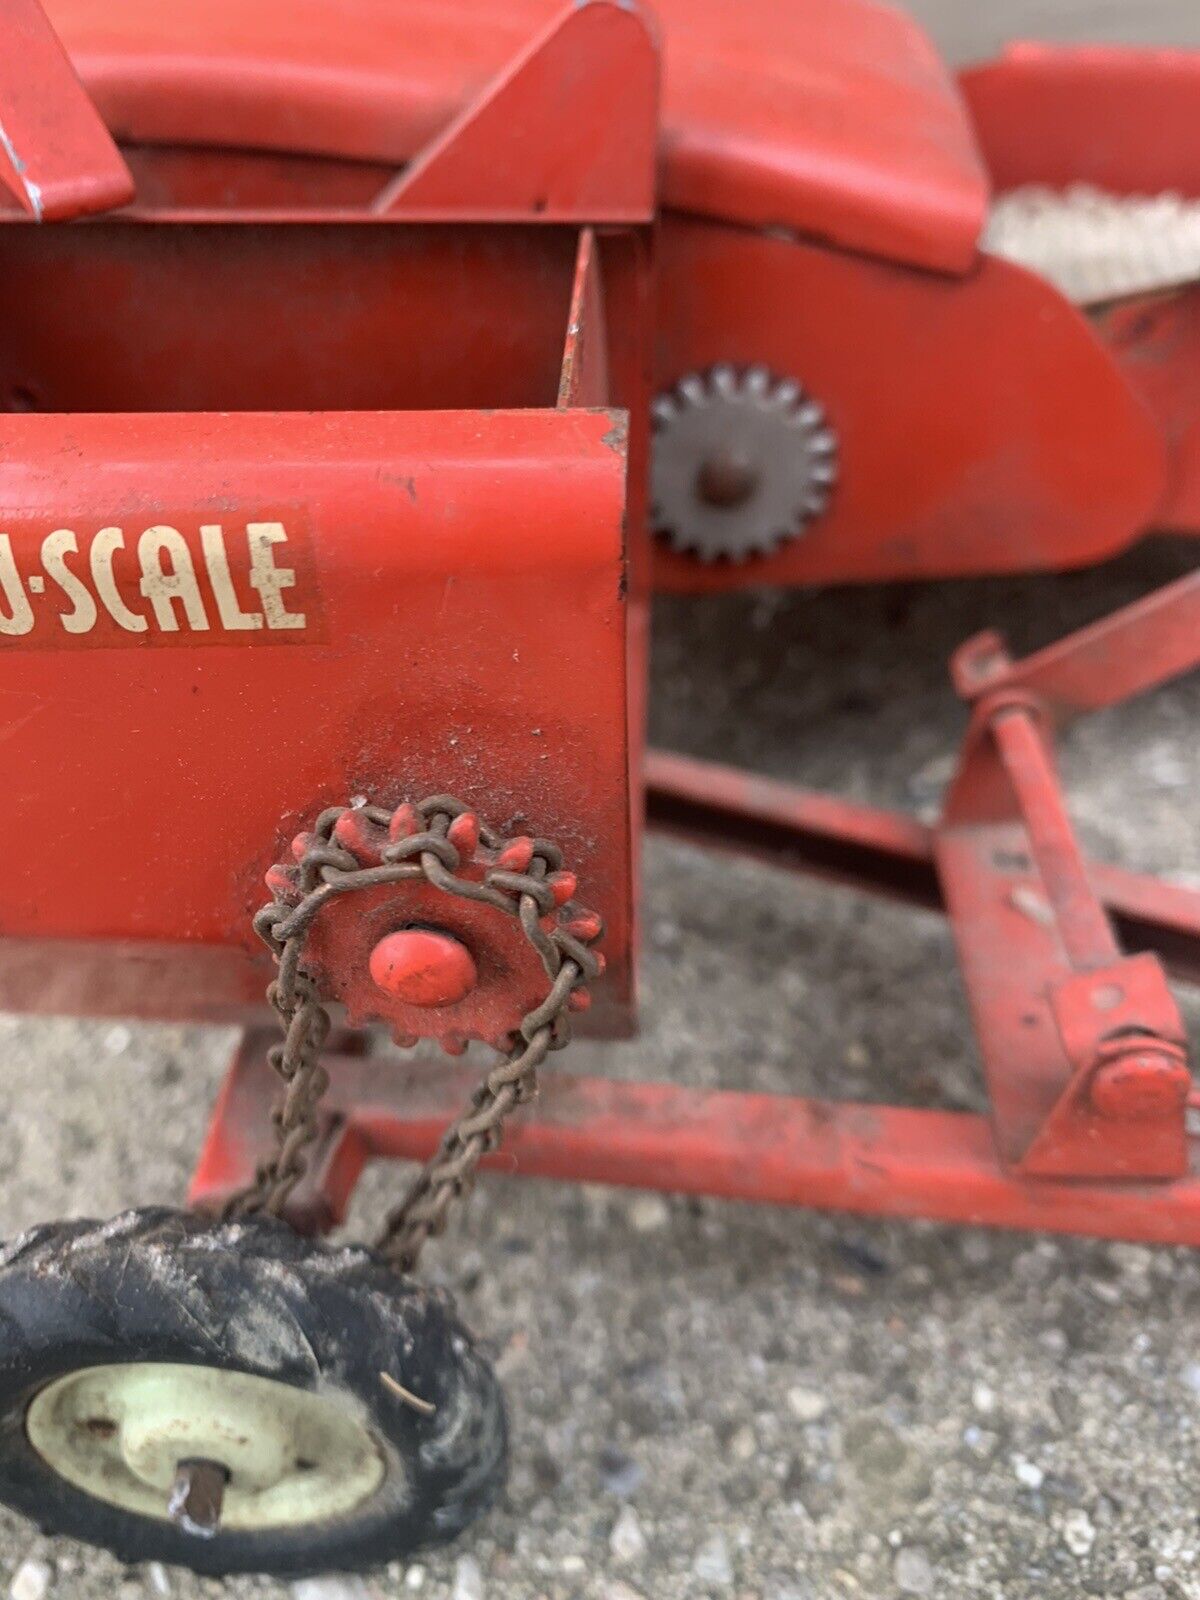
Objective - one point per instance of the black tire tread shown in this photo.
(251, 1294)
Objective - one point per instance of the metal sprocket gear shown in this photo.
(742, 461)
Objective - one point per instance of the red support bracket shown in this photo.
(1084, 1050)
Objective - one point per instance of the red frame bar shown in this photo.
(887, 853)
(870, 1159)
(1122, 655)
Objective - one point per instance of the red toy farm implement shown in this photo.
(396, 358)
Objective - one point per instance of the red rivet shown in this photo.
(516, 855)
(423, 967)
(578, 1000)
(301, 843)
(562, 886)
(454, 1044)
(406, 820)
(463, 834)
(361, 837)
(585, 926)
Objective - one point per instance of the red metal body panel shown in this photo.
(295, 317)
(1155, 340)
(754, 122)
(453, 570)
(56, 155)
(1126, 120)
(982, 426)
(754, 131)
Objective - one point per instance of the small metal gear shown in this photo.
(742, 461)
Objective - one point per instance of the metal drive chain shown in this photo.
(429, 850)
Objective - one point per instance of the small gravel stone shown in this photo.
(787, 1589)
(1028, 1473)
(712, 1563)
(744, 1443)
(616, 1589)
(929, 780)
(414, 1578)
(1078, 1534)
(31, 1581)
(159, 1581)
(468, 1579)
(620, 1474)
(806, 1404)
(626, 1540)
(912, 1570)
(983, 1398)
(648, 1212)
(338, 1588)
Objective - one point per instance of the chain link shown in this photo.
(518, 883)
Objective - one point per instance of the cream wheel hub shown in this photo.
(121, 1432)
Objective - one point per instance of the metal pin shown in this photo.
(197, 1496)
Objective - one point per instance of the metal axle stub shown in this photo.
(197, 1497)
(423, 967)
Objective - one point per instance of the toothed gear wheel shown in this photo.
(742, 462)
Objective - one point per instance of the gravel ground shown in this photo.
(714, 1400)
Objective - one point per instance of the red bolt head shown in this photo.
(423, 967)
(1144, 1083)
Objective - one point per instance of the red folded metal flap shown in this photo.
(56, 155)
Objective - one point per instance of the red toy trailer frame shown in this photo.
(364, 458)
(1088, 1100)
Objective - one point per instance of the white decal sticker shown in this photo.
(178, 581)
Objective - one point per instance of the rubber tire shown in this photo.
(252, 1296)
